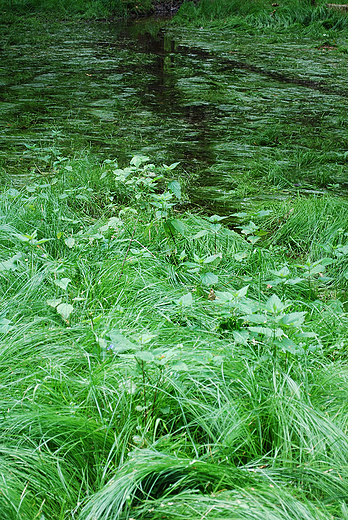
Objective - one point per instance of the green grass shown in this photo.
(145, 398)
(287, 15)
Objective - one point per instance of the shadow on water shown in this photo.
(116, 89)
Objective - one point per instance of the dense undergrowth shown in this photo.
(156, 363)
(298, 15)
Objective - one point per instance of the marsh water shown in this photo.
(247, 116)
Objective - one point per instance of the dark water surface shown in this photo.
(250, 119)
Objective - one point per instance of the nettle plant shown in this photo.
(142, 184)
(267, 324)
(148, 368)
(140, 180)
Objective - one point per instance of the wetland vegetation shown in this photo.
(174, 263)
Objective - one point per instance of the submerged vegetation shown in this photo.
(160, 361)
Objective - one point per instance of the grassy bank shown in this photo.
(158, 364)
(288, 15)
(89, 9)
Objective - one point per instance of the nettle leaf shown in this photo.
(11, 263)
(274, 304)
(185, 300)
(264, 212)
(282, 273)
(180, 366)
(137, 160)
(262, 330)
(70, 242)
(120, 342)
(241, 336)
(65, 309)
(144, 338)
(316, 269)
(178, 226)
(63, 283)
(200, 234)
(240, 256)
(295, 319)
(54, 303)
(294, 281)
(175, 188)
(102, 343)
(144, 355)
(287, 345)
(223, 297)
(267, 331)
(209, 279)
(255, 318)
(239, 215)
(212, 258)
(216, 218)
(5, 325)
(242, 292)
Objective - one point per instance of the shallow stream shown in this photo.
(248, 117)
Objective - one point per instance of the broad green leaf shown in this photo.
(264, 212)
(200, 234)
(144, 355)
(102, 343)
(11, 263)
(295, 319)
(252, 239)
(267, 331)
(255, 318)
(241, 336)
(119, 341)
(327, 261)
(343, 250)
(145, 338)
(215, 227)
(178, 226)
(240, 256)
(180, 366)
(5, 325)
(115, 223)
(262, 330)
(185, 300)
(242, 292)
(209, 279)
(306, 335)
(223, 296)
(54, 303)
(171, 166)
(65, 309)
(294, 281)
(175, 188)
(216, 218)
(137, 160)
(274, 304)
(70, 242)
(282, 273)
(63, 283)
(315, 270)
(239, 215)
(212, 258)
(287, 345)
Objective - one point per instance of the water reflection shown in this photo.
(116, 90)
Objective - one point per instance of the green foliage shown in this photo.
(260, 14)
(156, 362)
